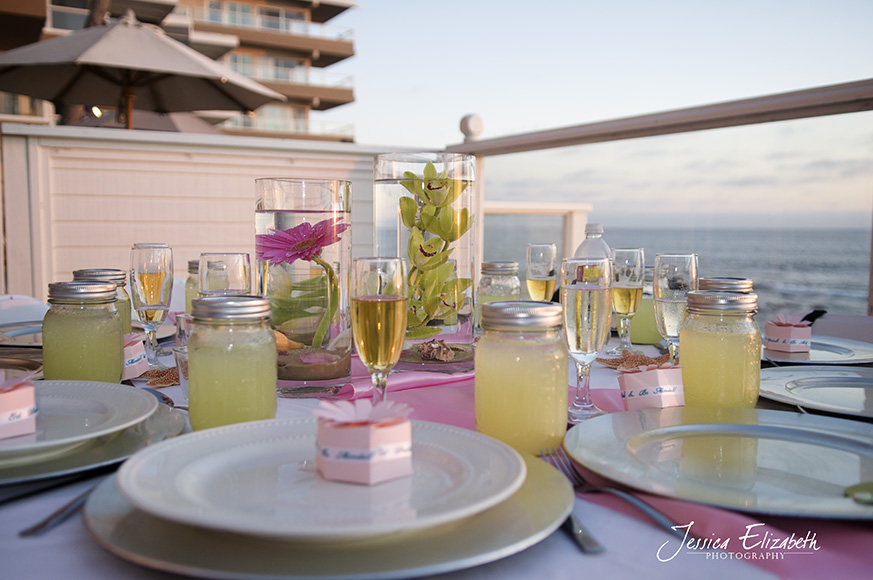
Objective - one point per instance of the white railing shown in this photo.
(271, 23)
(828, 100)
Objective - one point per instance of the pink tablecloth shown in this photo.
(788, 547)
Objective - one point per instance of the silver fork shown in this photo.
(562, 462)
(572, 525)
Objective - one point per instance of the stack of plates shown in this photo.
(247, 501)
(82, 425)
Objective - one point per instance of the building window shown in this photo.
(213, 12)
(284, 69)
(68, 14)
(240, 14)
(241, 63)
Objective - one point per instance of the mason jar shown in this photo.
(499, 283)
(82, 335)
(192, 283)
(521, 375)
(720, 344)
(231, 361)
(117, 277)
(721, 284)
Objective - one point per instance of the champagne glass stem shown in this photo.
(624, 333)
(151, 345)
(582, 407)
(380, 386)
(674, 350)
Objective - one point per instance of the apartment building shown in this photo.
(286, 45)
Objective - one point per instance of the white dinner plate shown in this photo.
(836, 389)
(260, 478)
(770, 462)
(28, 333)
(73, 412)
(826, 350)
(162, 424)
(530, 515)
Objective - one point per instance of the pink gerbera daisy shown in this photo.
(303, 242)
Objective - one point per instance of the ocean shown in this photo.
(793, 271)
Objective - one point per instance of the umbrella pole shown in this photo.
(128, 106)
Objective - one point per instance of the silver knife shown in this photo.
(580, 534)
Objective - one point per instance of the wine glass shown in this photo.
(379, 298)
(628, 275)
(224, 274)
(586, 293)
(151, 283)
(540, 271)
(675, 275)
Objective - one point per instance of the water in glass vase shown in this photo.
(440, 261)
(307, 305)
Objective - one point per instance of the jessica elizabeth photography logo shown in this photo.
(753, 543)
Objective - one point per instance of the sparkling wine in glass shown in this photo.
(379, 303)
(628, 275)
(674, 276)
(586, 294)
(224, 274)
(540, 271)
(151, 284)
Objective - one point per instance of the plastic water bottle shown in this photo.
(593, 246)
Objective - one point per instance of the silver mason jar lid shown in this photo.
(230, 308)
(119, 277)
(725, 285)
(506, 268)
(702, 301)
(193, 266)
(521, 314)
(82, 290)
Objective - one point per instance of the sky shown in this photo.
(420, 66)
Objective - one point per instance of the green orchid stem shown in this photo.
(333, 303)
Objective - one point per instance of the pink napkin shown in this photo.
(832, 547)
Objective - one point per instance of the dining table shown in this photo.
(720, 543)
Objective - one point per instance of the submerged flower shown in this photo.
(303, 242)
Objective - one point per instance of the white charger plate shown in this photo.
(826, 350)
(770, 462)
(114, 448)
(260, 478)
(836, 389)
(73, 412)
(528, 516)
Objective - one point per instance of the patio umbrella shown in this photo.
(128, 65)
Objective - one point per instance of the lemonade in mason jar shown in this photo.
(117, 277)
(720, 344)
(82, 337)
(231, 361)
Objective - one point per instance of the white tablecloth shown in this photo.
(631, 545)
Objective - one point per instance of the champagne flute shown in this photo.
(224, 273)
(379, 299)
(151, 283)
(675, 275)
(540, 271)
(586, 293)
(629, 271)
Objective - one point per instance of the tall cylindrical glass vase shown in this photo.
(303, 246)
(423, 211)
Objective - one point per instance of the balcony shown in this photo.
(322, 45)
(316, 89)
(284, 125)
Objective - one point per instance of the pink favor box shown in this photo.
(134, 356)
(654, 389)
(787, 338)
(367, 453)
(17, 411)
